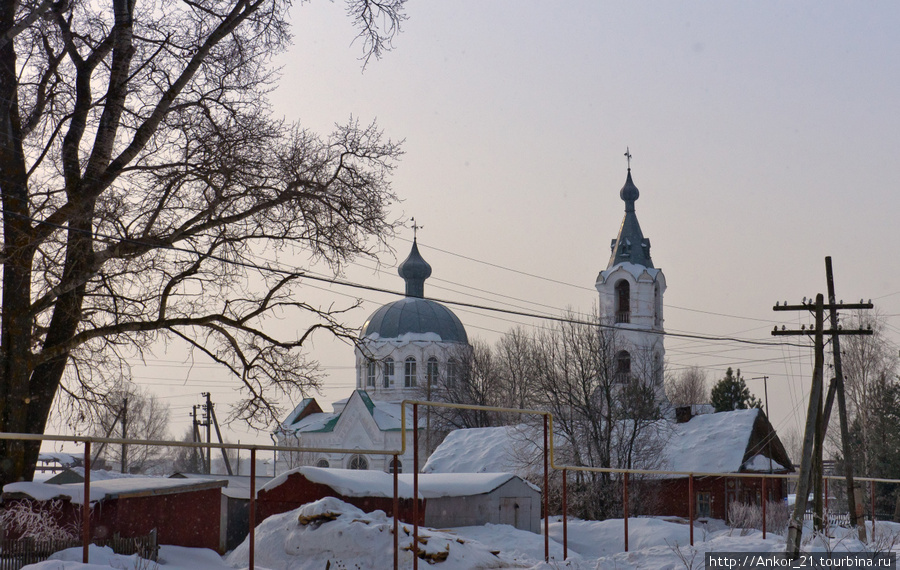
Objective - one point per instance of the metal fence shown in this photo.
(548, 464)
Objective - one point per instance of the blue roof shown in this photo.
(631, 245)
(417, 316)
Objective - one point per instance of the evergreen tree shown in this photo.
(731, 393)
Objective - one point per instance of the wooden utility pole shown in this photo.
(795, 528)
(819, 411)
(125, 435)
(838, 385)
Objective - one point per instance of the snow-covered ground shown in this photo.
(332, 531)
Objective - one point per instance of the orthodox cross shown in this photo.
(628, 156)
(415, 227)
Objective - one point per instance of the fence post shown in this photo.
(86, 506)
(396, 514)
(691, 505)
(625, 507)
(546, 496)
(872, 487)
(764, 504)
(252, 536)
(565, 515)
(415, 545)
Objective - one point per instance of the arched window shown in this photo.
(394, 461)
(322, 463)
(657, 305)
(358, 462)
(452, 372)
(431, 371)
(370, 373)
(623, 302)
(388, 378)
(623, 366)
(409, 373)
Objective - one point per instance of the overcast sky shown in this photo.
(764, 137)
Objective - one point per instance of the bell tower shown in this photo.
(631, 299)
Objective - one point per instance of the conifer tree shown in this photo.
(731, 393)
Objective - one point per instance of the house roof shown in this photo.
(482, 450)
(108, 489)
(436, 485)
(238, 486)
(387, 416)
(726, 442)
(348, 482)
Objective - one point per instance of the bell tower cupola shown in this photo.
(631, 297)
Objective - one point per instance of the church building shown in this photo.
(631, 299)
(406, 348)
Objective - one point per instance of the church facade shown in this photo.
(406, 348)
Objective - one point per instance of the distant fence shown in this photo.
(548, 464)
(16, 553)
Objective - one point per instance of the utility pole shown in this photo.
(818, 411)
(212, 413)
(207, 421)
(124, 435)
(837, 385)
(197, 439)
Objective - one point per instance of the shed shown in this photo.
(475, 499)
(184, 513)
(235, 516)
(365, 489)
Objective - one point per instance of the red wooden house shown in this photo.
(183, 512)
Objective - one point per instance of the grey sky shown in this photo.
(764, 138)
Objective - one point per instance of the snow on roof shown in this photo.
(349, 482)
(434, 485)
(761, 464)
(710, 443)
(65, 459)
(238, 486)
(635, 270)
(480, 450)
(108, 489)
(387, 416)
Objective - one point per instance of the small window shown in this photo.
(395, 462)
(409, 373)
(704, 505)
(358, 462)
(322, 463)
(623, 366)
(388, 379)
(623, 302)
(432, 371)
(370, 373)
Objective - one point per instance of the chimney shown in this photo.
(682, 414)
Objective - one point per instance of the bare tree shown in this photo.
(470, 380)
(868, 360)
(128, 412)
(688, 388)
(604, 418)
(142, 174)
